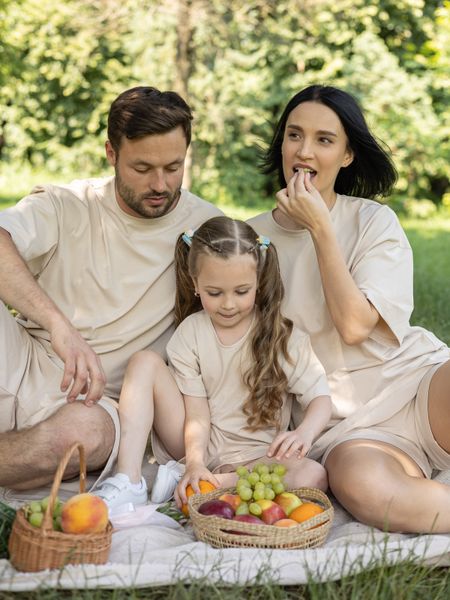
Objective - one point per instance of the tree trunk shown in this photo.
(184, 66)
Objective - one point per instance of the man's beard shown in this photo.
(138, 202)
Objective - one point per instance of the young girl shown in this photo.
(347, 267)
(238, 364)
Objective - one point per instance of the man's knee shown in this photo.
(91, 426)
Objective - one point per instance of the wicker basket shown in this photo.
(37, 548)
(225, 533)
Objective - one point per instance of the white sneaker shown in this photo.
(166, 481)
(118, 490)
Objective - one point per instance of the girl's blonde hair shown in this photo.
(224, 237)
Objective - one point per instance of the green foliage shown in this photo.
(237, 64)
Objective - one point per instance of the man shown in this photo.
(89, 268)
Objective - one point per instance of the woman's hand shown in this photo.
(291, 443)
(301, 202)
(193, 474)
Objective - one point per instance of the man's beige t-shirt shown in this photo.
(204, 367)
(371, 381)
(110, 273)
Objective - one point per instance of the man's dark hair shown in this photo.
(144, 110)
(370, 174)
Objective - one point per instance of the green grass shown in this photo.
(403, 582)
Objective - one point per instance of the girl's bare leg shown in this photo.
(149, 398)
(381, 486)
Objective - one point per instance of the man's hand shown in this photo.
(83, 371)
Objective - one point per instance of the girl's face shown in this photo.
(314, 139)
(227, 289)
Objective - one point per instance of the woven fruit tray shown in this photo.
(37, 548)
(225, 533)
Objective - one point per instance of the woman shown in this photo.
(347, 268)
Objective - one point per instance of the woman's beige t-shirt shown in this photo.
(110, 273)
(371, 381)
(204, 367)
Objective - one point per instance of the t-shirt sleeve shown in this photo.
(383, 271)
(183, 360)
(306, 375)
(33, 226)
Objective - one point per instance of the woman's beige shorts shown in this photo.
(408, 430)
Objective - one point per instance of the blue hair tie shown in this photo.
(263, 241)
(187, 236)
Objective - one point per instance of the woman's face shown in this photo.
(314, 139)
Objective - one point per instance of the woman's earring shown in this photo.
(196, 294)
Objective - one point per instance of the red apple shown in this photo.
(217, 508)
(247, 519)
(288, 501)
(271, 511)
(233, 500)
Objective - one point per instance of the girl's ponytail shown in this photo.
(186, 302)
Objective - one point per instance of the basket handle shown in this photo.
(47, 521)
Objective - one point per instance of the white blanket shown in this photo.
(151, 555)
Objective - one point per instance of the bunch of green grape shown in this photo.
(35, 510)
(263, 482)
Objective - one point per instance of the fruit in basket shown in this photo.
(248, 519)
(233, 500)
(205, 487)
(307, 510)
(242, 509)
(285, 523)
(270, 511)
(288, 501)
(262, 482)
(217, 508)
(84, 513)
(34, 512)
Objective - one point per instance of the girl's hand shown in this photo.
(290, 443)
(192, 476)
(301, 201)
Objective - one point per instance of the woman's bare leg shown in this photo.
(439, 406)
(149, 398)
(381, 486)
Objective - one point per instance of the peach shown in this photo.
(233, 500)
(288, 501)
(286, 523)
(84, 513)
(271, 511)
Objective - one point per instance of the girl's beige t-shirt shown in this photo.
(204, 367)
(110, 273)
(371, 381)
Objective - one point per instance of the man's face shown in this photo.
(149, 173)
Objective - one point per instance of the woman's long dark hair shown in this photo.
(371, 173)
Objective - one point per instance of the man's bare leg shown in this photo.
(29, 458)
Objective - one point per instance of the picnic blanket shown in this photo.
(155, 555)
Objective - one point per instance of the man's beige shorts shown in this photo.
(30, 380)
(408, 430)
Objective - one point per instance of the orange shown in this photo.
(305, 511)
(205, 487)
(286, 523)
